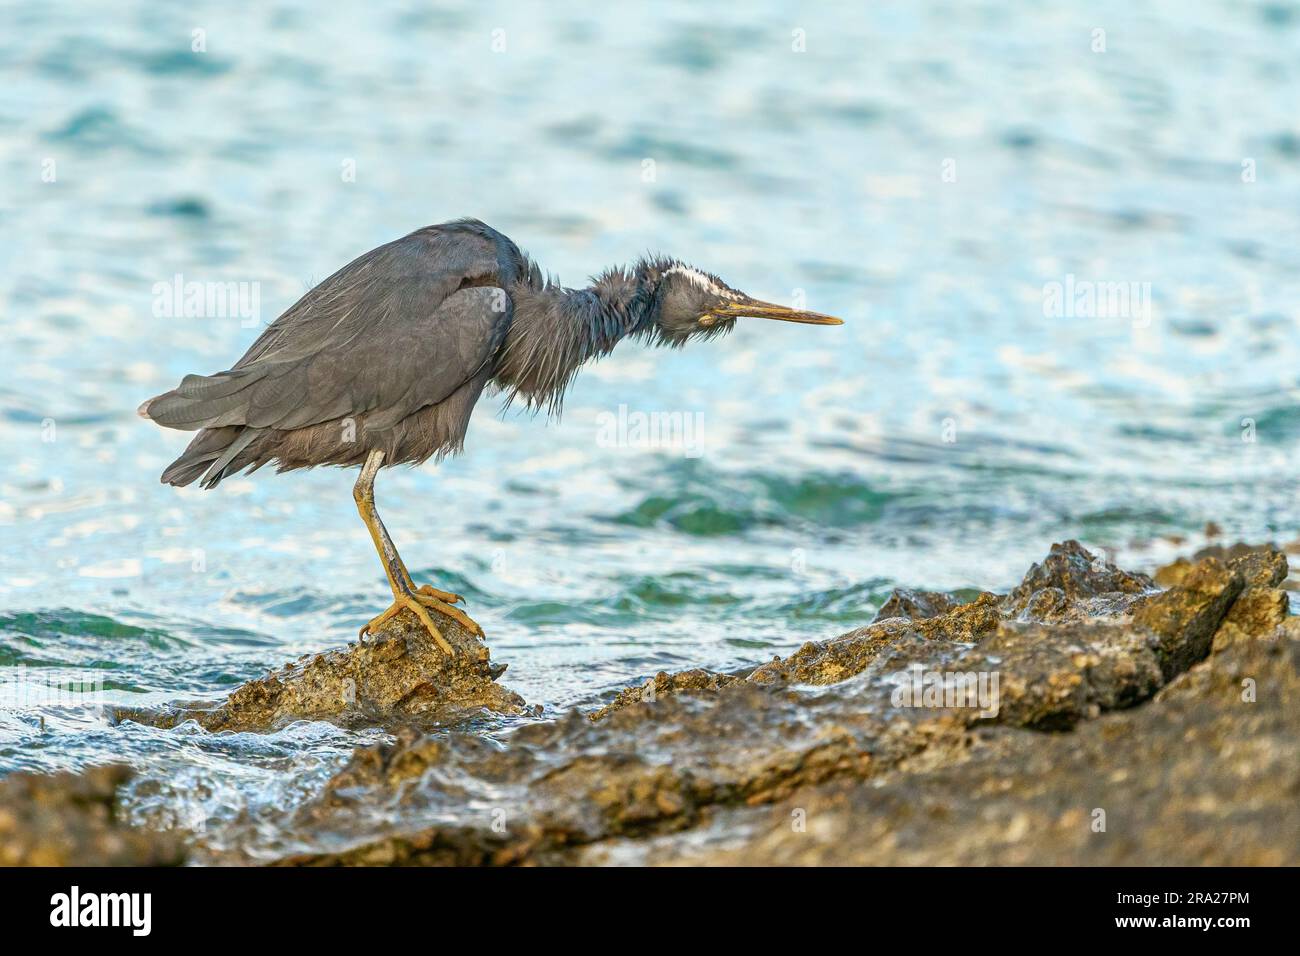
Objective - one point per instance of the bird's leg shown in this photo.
(405, 595)
(391, 557)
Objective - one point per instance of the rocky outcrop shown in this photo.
(67, 819)
(1205, 774)
(1074, 584)
(777, 765)
(396, 677)
(664, 684)
(1089, 716)
(916, 605)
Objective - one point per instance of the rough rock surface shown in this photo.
(395, 677)
(1198, 776)
(1086, 717)
(704, 767)
(828, 662)
(1260, 563)
(663, 684)
(67, 819)
(1074, 584)
(916, 605)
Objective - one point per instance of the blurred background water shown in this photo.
(925, 170)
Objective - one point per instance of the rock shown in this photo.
(832, 661)
(1171, 575)
(1050, 677)
(1080, 648)
(1260, 607)
(1257, 611)
(1261, 568)
(1259, 565)
(1074, 584)
(1229, 553)
(663, 684)
(67, 819)
(1184, 618)
(827, 662)
(916, 605)
(1196, 777)
(396, 677)
(573, 782)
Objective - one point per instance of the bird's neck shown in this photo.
(556, 330)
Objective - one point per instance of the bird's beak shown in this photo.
(757, 309)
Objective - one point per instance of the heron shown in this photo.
(382, 363)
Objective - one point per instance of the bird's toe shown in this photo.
(447, 597)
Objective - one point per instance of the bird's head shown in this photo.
(694, 302)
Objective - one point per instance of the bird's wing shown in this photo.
(400, 328)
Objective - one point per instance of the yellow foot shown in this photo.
(445, 596)
(416, 605)
(438, 600)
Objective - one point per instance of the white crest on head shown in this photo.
(705, 282)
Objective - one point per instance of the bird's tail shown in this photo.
(204, 401)
(201, 402)
(214, 454)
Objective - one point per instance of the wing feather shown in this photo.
(399, 328)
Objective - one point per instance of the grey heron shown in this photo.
(382, 363)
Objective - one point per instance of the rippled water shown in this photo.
(924, 171)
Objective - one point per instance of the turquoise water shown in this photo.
(930, 174)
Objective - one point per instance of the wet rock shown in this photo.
(829, 662)
(663, 684)
(1257, 611)
(1050, 677)
(1261, 568)
(1261, 606)
(1184, 618)
(67, 819)
(395, 677)
(704, 767)
(1231, 552)
(1259, 565)
(1171, 575)
(1074, 584)
(1201, 775)
(574, 782)
(917, 605)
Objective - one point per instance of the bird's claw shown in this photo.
(447, 597)
(416, 604)
(431, 597)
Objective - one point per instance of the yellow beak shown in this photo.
(757, 309)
